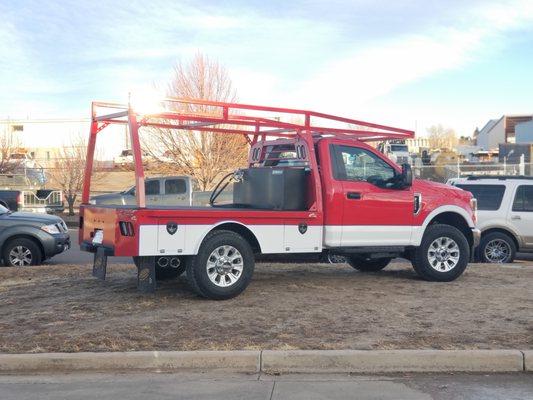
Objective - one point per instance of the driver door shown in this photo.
(374, 213)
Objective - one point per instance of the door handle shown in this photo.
(516, 217)
(353, 195)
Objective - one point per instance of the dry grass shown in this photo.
(62, 308)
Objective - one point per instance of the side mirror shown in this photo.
(406, 178)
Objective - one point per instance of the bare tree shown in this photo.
(441, 137)
(9, 144)
(68, 171)
(205, 156)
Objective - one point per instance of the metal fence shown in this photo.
(441, 173)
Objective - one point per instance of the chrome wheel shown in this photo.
(443, 254)
(497, 251)
(20, 256)
(224, 266)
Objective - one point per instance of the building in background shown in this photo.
(524, 132)
(498, 131)
(40, 138)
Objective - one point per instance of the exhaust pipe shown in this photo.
(162, 262)
(175, 262)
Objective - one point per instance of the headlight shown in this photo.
(92, 201)
(52, 229)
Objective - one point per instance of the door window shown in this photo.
(151, 188)
(357, 164)
(489, 197)
(175, 186)
(523, 200)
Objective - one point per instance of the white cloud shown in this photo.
(381, 67)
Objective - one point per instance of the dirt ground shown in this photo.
(63, 308)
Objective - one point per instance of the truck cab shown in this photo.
(309, 190)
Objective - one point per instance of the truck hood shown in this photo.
(34, 218)
(423, 185)
(108, 196)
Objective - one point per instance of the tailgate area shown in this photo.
(117, 233)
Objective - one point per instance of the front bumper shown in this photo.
(56, 244)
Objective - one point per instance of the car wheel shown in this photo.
(167, 267)
(21, 252)
(497, 248)
(223, 267)
(443, 254)
(368, 265)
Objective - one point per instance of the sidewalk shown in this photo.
(266, 387)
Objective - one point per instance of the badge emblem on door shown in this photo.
(172, 227)
(302, 227)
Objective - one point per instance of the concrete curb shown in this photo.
(237, 361)
(380, 361)
(528, 360)
(273, 361)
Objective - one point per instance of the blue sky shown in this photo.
(408, 63)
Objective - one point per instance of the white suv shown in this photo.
(505, 215)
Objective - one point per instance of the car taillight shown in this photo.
(126, 228)
(473, 205)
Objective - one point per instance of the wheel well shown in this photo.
(246, 233)
(33, 239)
(504, 231)
(455, 220)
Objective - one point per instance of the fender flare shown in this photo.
(418, 232)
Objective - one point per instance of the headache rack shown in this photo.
(226, 118)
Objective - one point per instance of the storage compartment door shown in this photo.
(302, 238)
(170, 237)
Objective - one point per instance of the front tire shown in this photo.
(368, 265)
(443, 254)
(223, 267)
(21, 252)
(497, 248)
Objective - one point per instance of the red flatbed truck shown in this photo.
(313, 189)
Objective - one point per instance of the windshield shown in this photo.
(3, 210)
(399, 147)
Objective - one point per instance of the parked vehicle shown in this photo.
(42, 201)
(126, 158)
(170, 190)
(396, 150)
(316, 190)
(29, 239)
(505, 215)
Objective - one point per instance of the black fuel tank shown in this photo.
(272, 189)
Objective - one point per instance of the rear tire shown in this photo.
(443, 254)
(21, 252)
(168, 267)
(368, 265)
(223, 267)
(497, 248)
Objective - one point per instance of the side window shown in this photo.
(523, 200)
(357, 164)
(489, 197)
(151, 187)
(175, 186)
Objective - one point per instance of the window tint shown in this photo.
(175, 186)
(151, 187)
(489, 197)
(356, 164)
(523, 200)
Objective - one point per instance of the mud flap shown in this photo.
(146, 282)
(100, 263)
